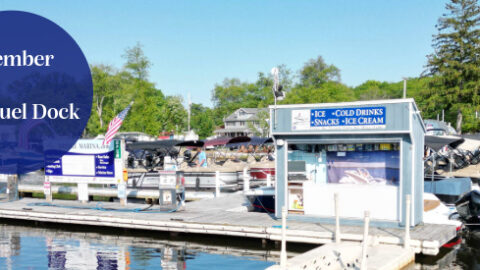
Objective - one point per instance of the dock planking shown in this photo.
(215, 216)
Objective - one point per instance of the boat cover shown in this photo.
(191, 144)
(153, 145)
(163, 144)
(437, 142)
(253, 141)
(226, 140)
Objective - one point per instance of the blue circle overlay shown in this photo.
(45, 92)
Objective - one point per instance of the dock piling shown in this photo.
(406, 241)
(246, 180)
(283, 252)
(12, 187)
(337, 218)
(47, 190)
(365, 240)
(217, 184)
(82, 189)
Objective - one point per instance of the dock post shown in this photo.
(337, 218)
(246, 180)
(366, 223)
(47, 190)
(269, 180)
(406, 241)
(217, 184)
(283, 252)
(12, 187)
(82, 190)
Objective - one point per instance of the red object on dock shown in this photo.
(261, 173)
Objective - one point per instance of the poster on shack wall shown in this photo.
(88, 161)
(364, 167)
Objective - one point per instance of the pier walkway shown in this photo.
(225, 216)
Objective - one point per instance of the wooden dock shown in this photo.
(349, 256)
(224, 216)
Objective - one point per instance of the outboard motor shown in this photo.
(459, 160)
(187, 155)
(131, 161)
(476, 156)
(468, 207)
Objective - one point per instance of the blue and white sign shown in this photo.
(88, 161)
(339, 118)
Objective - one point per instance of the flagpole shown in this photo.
(189, 110)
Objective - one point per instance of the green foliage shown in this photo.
(113, 90)
(233, 94)
(327, 92)
(202, 120)
(455, 65)
(173, 115)
(137, 63)
(262, 129)
(316, 72)
(375, 90)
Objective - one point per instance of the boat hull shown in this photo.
(206, 180)
(261, 173)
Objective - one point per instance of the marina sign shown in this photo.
(339, 118)
(88, 161)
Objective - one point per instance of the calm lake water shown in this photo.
(37, 248)
(53, 247)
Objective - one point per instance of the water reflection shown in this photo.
(38, 248)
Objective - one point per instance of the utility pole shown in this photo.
(274, 73)
(404, 87)
(189, 104)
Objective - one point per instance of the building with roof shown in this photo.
(244, 122)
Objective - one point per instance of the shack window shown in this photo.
(363, 164)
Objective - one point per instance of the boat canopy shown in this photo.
(253, 141)
(196, 143)
(162, 144)
(226, 140)
(437, 142)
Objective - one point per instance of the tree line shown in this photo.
(450, 82)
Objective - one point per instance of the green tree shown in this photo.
(262, 128)
(316, 72)
(373, 90)
(103, 89)
(151, 112)
(327, 92)
(173, 116)
(202, 120)
(233, 94)
(137, 63)
(455, 65)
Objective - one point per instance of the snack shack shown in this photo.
(368, 152)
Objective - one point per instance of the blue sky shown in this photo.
(195, 44)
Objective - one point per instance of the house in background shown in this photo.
(244, 122)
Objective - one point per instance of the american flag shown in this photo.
(115, 124)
